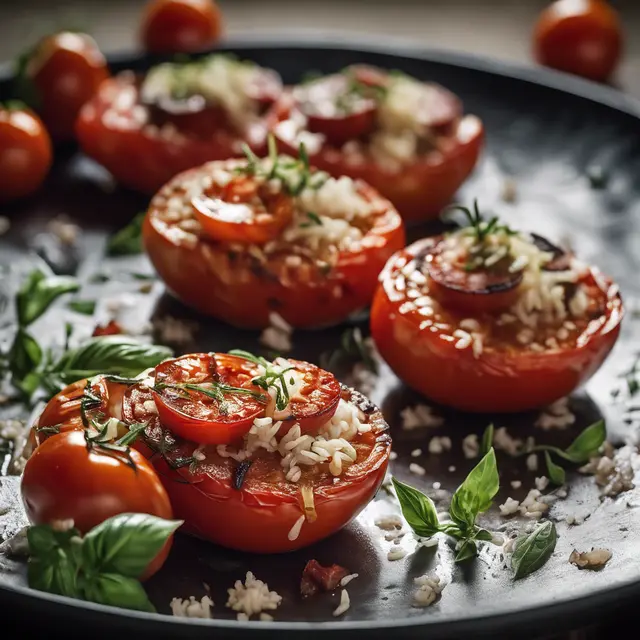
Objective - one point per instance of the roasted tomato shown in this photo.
(321, 267)
(25, 152)
(292, 494)
(583, 37)
(146, 130)
(534, 326)
(67, 479)
(64, 71)
(407, 139)
(180, 26)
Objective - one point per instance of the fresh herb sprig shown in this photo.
(531, 551)
(477, 226)
(273, 377)
(213, 389)
(473, 497)
(105, 566)
(585, 446)
(353, 348)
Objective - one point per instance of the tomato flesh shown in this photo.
(419, 344)
(64, 480)
(194, 415)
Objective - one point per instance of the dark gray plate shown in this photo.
(547, 132)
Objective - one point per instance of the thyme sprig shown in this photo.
(272, 378)
(295, 174)
(213, 389)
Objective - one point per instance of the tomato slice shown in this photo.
(486, 289)
(192, 403)
(244, 211)
(335, 108)
(317, 397)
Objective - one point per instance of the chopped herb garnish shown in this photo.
(127, 241)
(85, 307)
(214, 390)
(314, 220)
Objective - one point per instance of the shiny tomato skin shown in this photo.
(180, 26)
(65, 69)
(62, 480)
(264, 504)
(241, 296)
(25, 153)
(138, 157)
(495, 382)
(583, 37)
(198, 419)
(420, 190)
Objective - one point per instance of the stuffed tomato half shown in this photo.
(254, 455)
(407, 138)
(241, 239)
(146, 129)
(489, 319)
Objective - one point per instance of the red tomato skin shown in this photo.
(421, 190)
(248, 299)
(583, 38)
(62, 480)
(25, 153)
(66, 70)
(205, 505)
(137, 158)
(180, 26)
(495, 382)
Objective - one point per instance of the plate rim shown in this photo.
(344, 40)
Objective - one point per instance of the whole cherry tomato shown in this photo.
(65, 479)
(176, 26)
(25, 152)
(65, 70)
(583, 37)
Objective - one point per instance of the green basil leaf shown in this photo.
(117, 591)
(25, 355)
(116, 354)
(85, 307)
(468, 550)
(555, 472)
(487, 440)
(127, 241)
(417, 509)
(476, 493)
(38, 293)
(533, 550)
(41, 539)
(127, 543)
(483, 534)
(587, 443)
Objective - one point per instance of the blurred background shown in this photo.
(497, 28)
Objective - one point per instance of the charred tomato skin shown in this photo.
(266, 503)
(244, 294)
(497, 381)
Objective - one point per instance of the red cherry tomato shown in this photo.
(244, 292)
(196, 416)
(583, 37)
(63, 479)
(180, 26)
(243, 211)
(418, 337)
(25, 152)
(66, 70)
(205, 495)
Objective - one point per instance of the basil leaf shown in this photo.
(116, 354)
(24, 356)
(487, 440)
(483, 534)
(418, 510)
(127, 543)
(587, 443)
(476, 493)
(118, 591)
(85, 307)
(555, 472)
(468, 550)
(38, 293)
(127, 241)
(533, 550)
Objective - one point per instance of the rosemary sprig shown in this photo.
(214, 390)
(314, 220)
(272, 378)
(477, 226)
